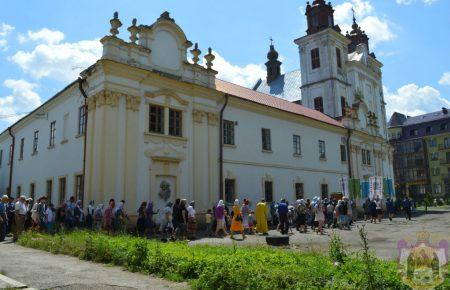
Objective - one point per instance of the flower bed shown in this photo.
(220, 267)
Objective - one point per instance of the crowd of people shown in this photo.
(178, 220)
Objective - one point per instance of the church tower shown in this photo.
(273, 65)
(323, 54)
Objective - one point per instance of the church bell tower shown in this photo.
(323, 54)
(273, 65)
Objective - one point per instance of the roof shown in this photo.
(286, 86)
(425, 118)
(273, 102)
(397, 119)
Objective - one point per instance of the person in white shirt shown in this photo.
(50, 217)
(192, 224)
(19, 218)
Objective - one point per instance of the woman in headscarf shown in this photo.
(261, 217)
(140, 223)
(236, 222)
(219, 214)
(98, 216)
(192, 224)
(108, 216)
(301, 216)
(149, 222)
(245, 213)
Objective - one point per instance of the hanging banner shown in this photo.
(372, 182)
(343, 186)
(379, 186)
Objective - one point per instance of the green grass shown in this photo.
(220, 267)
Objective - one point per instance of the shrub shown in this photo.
(220, 267)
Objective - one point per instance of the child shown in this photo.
(208, 220)
(50, 217)
(251, 224)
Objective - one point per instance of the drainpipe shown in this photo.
(221, 193)
(80, 86)
(349, 134)
(12, 160)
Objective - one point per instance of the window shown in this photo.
(324, 190)
(338, 58)
(299, 194)
(318, 104)
(18, 191)
(435, 171)
(35, 141)
(368, 157)
(364, 156)
(447, 143)
(79, 184)
(82, 120)
(32, 190)
(343, 105)
(443, 126)
(315, 58)
(297, 145)
(175, 124)
(230, 193)
(268, 191)
(1, 157)
(266, 144)
(156, 119)
(413, 132)
(433, 143)
(22, 144)
(228, 132)
(51, 143)
(49, 189)
(434, 156)
(322, 153)
(62, 190)
(437, 188)
(428, 129)
(343, 153)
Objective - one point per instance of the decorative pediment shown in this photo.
(167, 93)
(165, 153)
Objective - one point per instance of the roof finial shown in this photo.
(271, 40)
(354, 18)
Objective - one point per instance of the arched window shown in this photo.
(318, 104)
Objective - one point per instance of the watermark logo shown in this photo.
(423, 265)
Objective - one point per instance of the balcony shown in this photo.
(444, 146)
(445, 161)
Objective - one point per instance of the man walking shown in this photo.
(283, 216)
(3, 217)
(20, 212)
(407, 207)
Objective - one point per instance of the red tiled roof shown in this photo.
(274, 102)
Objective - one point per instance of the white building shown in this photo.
(156, 122)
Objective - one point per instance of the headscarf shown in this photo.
(220, 203)
(236, 201)
(149, 209)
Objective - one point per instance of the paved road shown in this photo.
(42, 270)
(383, 237)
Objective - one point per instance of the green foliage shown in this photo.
(336, 249)
(220, 267)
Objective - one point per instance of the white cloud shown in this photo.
(245, 76)
(22, 100)
(44, 35)
(408, 2)
(55, 59)
(5, 31)
(414, 100)
(445, 79)
(379, 29)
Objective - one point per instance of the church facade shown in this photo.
(145, 123)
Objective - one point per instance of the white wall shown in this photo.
(65, 159)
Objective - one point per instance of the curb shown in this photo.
(13, 283)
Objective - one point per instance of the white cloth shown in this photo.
(319, 216)
(191, 211)
(50, 215)
(21, 207)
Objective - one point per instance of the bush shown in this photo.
(220, 267)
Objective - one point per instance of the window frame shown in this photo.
(266, 139)
(82, 118)
(47, 192)
(297, 144)
(338, 57)
(299, 190)
(228, 132)
(315, 58)
(62, 194)
(327, 191)
(51, 142)
(318, 104)
(230, 182)
(79, 186)
(343, 150)
(35, 141)
(158, 124)
(268, 190)
(21, 148)
(175, 122)
(322, 150)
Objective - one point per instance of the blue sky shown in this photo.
(44, 44)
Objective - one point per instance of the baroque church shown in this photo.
(147, 121)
